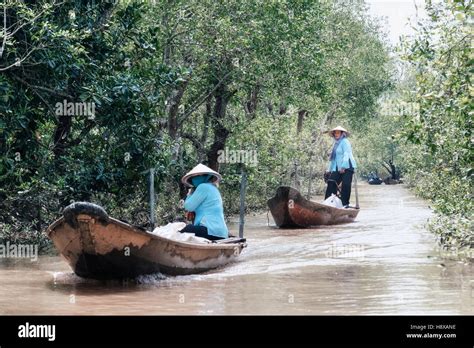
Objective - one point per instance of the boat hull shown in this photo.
(375, 182)
(289, 209)
(99, 247)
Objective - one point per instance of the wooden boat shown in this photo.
(390, 181)
(290, 209)
(100, 247)
(375, 181)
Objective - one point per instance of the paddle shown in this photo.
(356, 191)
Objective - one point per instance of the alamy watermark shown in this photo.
(248, 157)
(66, 108)
(37, 331)
(399, 108)
(20, 251)
(349, 251)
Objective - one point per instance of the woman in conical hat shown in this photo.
(341, 165)
(206, 202)
(199, 170)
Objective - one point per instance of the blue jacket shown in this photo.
(206, 202)
(343, 155)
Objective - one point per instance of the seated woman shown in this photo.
(204, 199)
(341, 165)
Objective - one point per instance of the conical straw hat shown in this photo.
(200, 169)
(339, 128)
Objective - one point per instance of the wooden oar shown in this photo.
(151, 191)
(356, 191)
(243, 186)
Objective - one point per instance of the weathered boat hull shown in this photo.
(375, 181)
(100, 247)
(290, 209)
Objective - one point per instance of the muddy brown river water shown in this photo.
(383, 263)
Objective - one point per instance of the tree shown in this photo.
(441, 133)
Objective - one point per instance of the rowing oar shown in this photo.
(356, 191)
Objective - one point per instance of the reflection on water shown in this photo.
(383, 263)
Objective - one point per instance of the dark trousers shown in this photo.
(199, 231)
(335, 178)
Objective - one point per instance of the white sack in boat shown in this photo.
(333, 201)
(171, 231)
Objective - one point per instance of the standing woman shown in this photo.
(204, 199)
(341, 166)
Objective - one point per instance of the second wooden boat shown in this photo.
(290, 209)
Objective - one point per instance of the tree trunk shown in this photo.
(205, 131)
(282, 108)
(221, 96)
(269, 106)
(252, 101)
(173, 107)
(61, 133)
(301, 115)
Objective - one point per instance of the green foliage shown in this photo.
(173, 83)
(106, 57)
(441, 163)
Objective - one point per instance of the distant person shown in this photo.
(341, 166)
(204, 199)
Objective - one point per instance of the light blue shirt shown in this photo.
(206, 202)
(343, 156)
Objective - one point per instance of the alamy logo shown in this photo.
(23, 251)
(75, 109)
(37, 331)
(351, 251)
(248, 157)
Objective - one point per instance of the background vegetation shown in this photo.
(175, 82)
